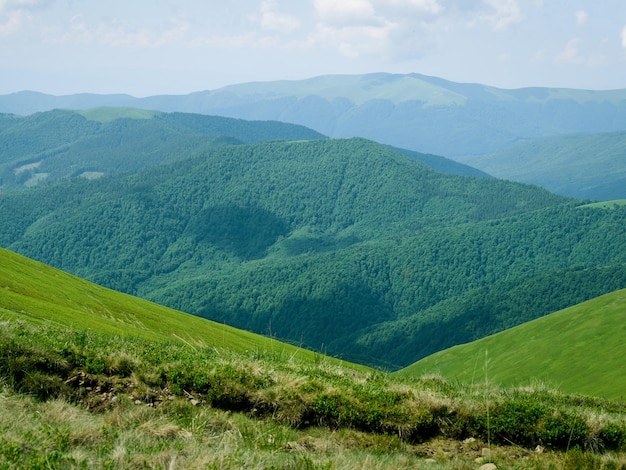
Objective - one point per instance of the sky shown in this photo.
(150, 47)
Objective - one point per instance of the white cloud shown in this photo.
(571, 53)
(9, 5)
(581, 17)
(14, 14)
(420, 6)
(504, 13)
(352, 27)
(270, 20)
(12, 21)
(346, 12)
(386, 29)
(354, 41)
(113, 34)
(227, 41)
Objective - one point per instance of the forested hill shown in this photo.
(49, 146)
(46, 147)
(327, 243)
(425, 114)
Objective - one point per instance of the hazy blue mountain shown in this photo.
(589, 166)
(413, 111)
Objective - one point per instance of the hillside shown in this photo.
(323, 243)
(50, 146)
(56, 145)
(417, 112)
(39, 294)
(584, 166)
(92, 378)
(576, 349)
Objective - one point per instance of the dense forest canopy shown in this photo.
(50, 146)
(346, 246)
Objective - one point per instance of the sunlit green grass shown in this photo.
(607, 204)
(579, 350)
(39, 293)
(90, 378)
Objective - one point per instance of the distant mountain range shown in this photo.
(416, 112)
(591, 166)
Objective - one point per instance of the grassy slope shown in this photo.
(105, 400)
(36, 292)
(108, 114)
(607, 204)
(579, 349)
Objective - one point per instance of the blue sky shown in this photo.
(152, 47)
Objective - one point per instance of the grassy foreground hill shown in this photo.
(40, 294)
(580, 349)
(89, 380)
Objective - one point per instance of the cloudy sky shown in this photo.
(146, 47)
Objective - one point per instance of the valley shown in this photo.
(100, 378)
(346, 297)
(339, 245)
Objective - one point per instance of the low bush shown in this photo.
(99, 371)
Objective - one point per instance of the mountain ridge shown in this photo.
(430, 115)
(52, 145)
(340, 105)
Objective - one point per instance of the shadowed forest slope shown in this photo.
(334, 244)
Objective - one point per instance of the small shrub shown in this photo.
(95, 365)
(43, 386)
(119, 364)
(333, 410)
(514, 421)
(562, 431)
(612, 436)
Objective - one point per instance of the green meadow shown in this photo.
(91, 378)
(37, 293)
(580, 349)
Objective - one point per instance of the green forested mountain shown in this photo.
(426, 114)
(579, 349)
(341, 245)
(586, 166)
(53, 145)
